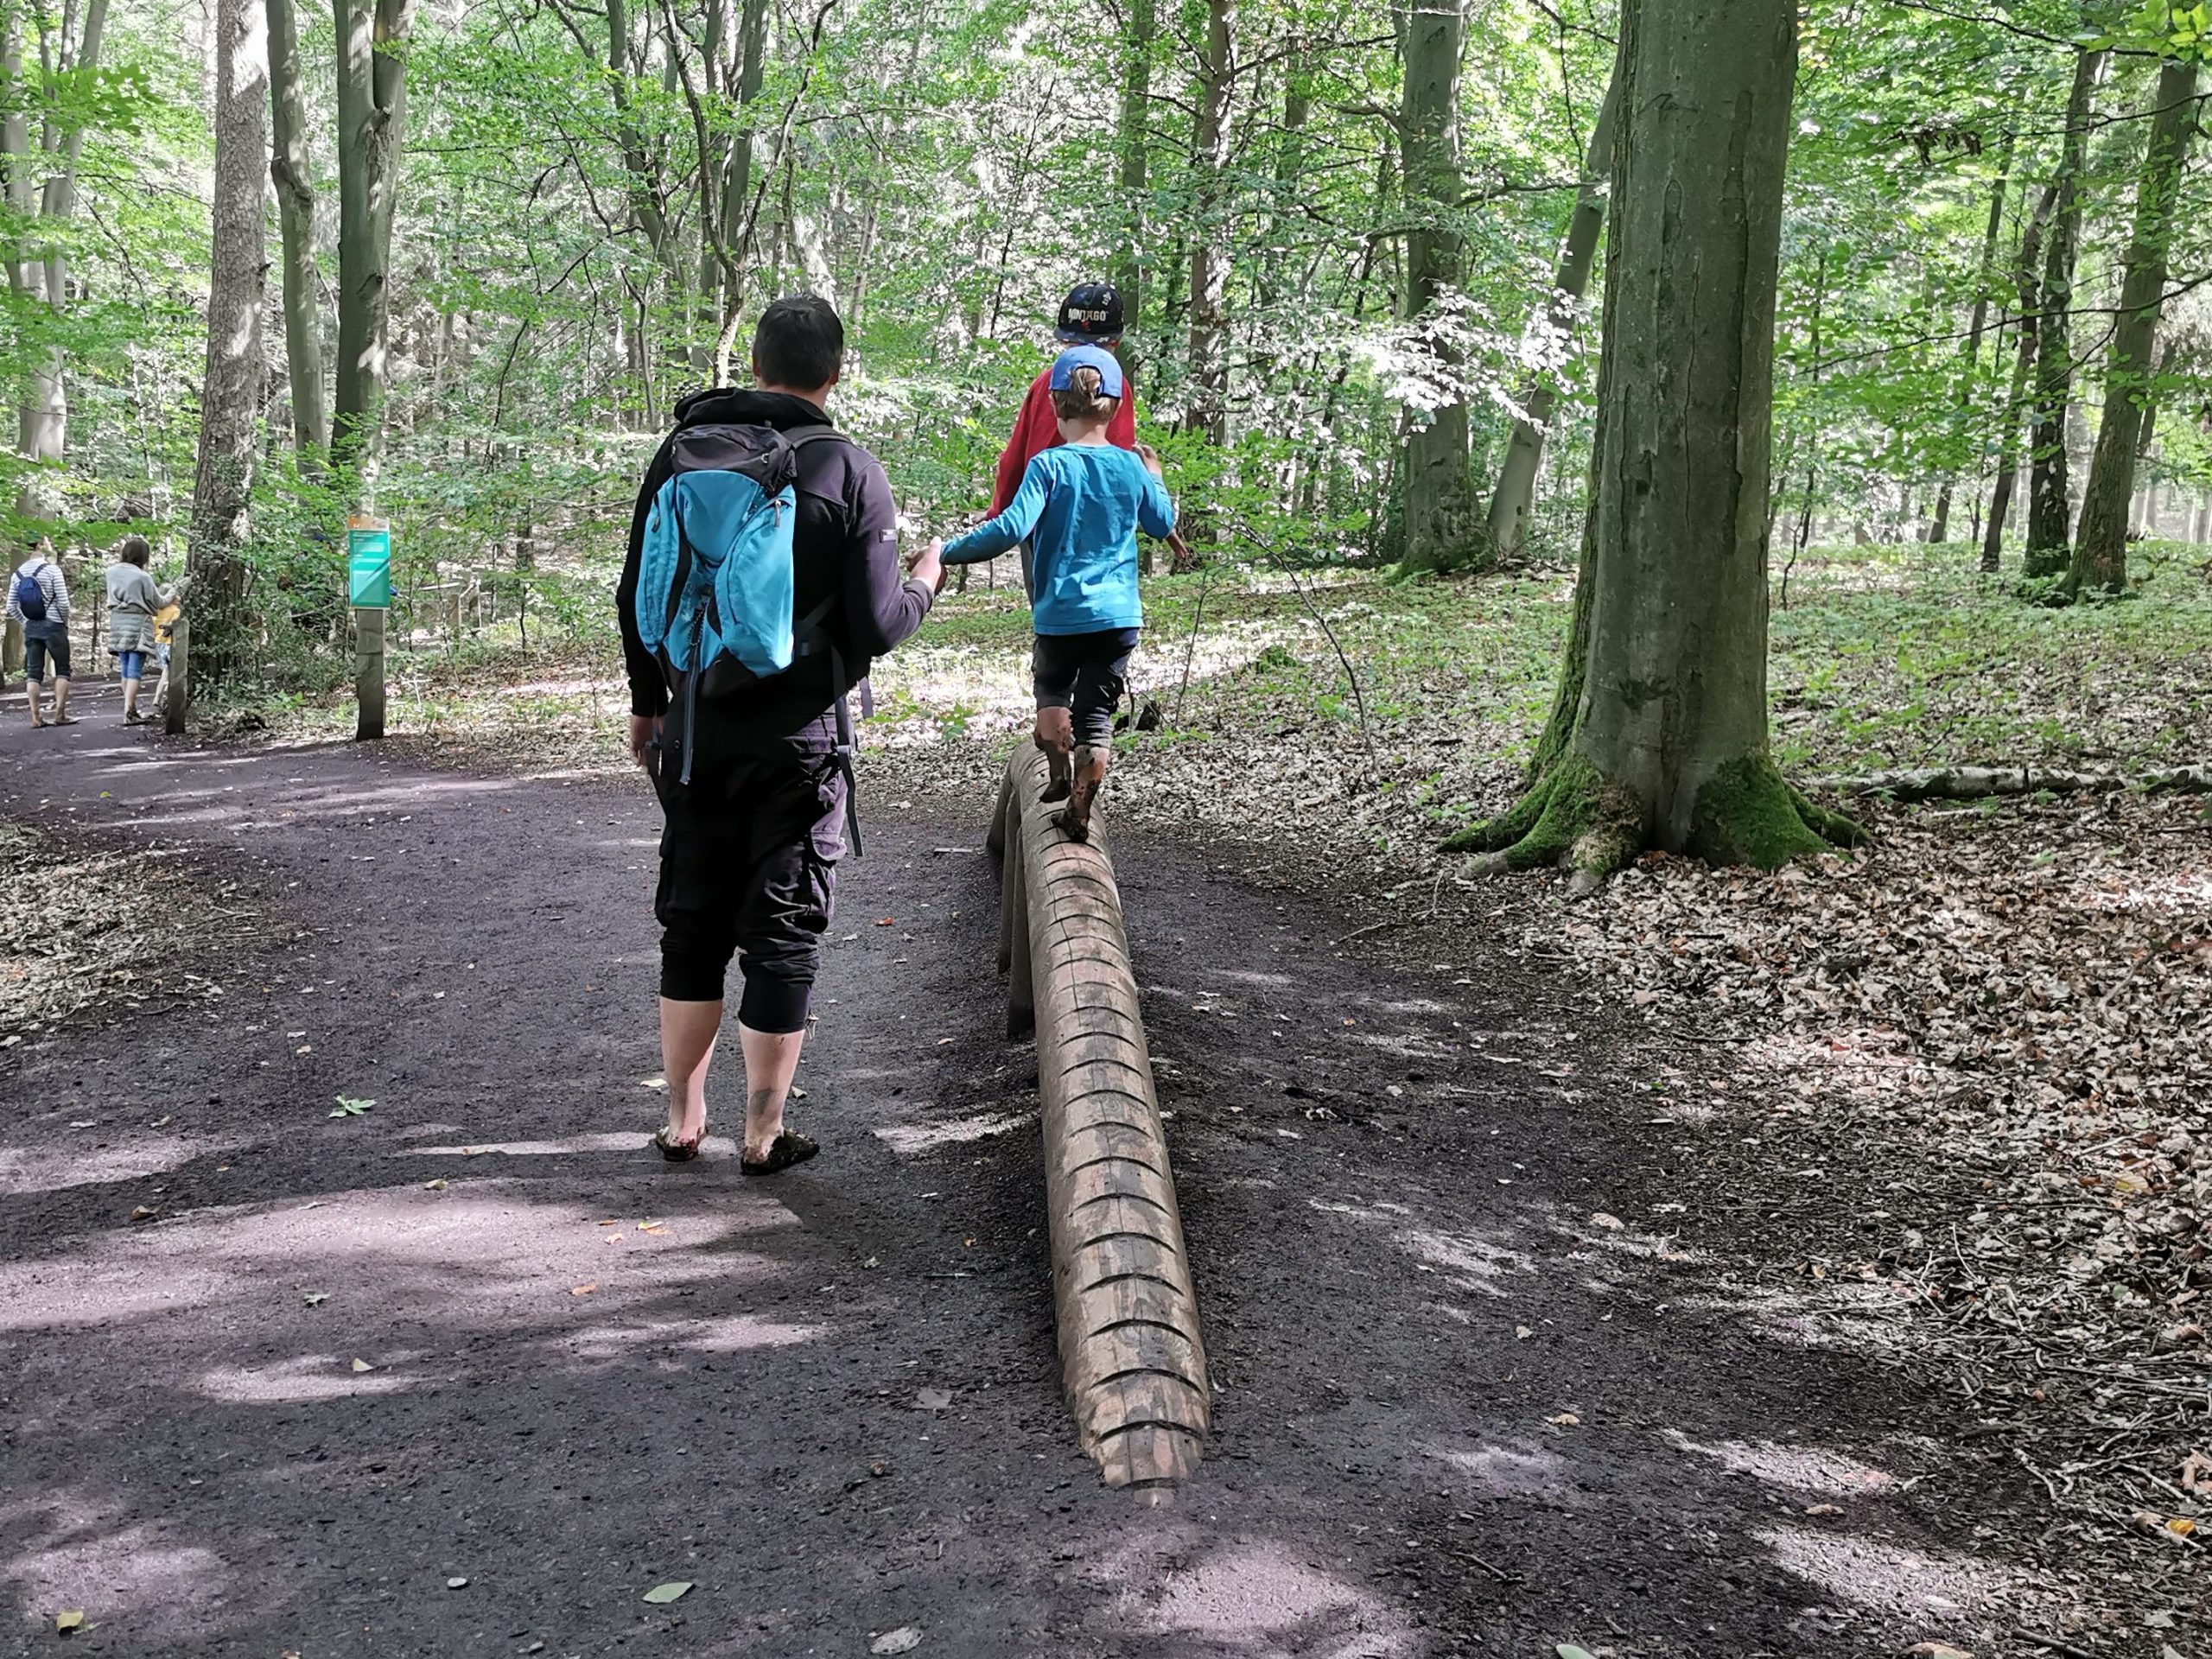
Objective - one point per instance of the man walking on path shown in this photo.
(755, 780)
(39, 599)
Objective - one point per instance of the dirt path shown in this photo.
(1476, 1399)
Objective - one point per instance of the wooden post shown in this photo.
(368, 672)
(12, 649)
(176, 679)
(1130, 1353)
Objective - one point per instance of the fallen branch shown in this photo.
(1980, 783)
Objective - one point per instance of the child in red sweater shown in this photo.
(1090, 315)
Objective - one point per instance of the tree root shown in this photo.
(1747, 815)
(1570, 817)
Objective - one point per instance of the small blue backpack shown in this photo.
(31, 598)
(714, 582)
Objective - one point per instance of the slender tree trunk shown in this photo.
(372, 111)
(288, 171)
(1661, 718)
(1442, 530)
(42, 192)
(1209, 411)
(1516, 479)
(2050, 513)
(1940, 529)
(2100, 554)
(2028, 301)
(230, 404)
(1132, 146)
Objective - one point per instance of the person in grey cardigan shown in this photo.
(133, 601)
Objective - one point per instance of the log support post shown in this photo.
(368, 672)
(176, 679)
(1131, 1356)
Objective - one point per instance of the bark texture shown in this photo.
(1441, 527)
(230, 399)
(372, 111)
(1664, 743)
(2100, 550)
(1134, 151)
(1209, 252)
(2028, 289)
(2049, 511)
(41, 190)
(288, 171)
(1524, 453)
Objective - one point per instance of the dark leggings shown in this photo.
(1084, 674)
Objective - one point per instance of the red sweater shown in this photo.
(1037, 430)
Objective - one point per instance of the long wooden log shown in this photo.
(1980, 783)
(1130, 1352)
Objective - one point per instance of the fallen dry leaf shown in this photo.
(1565, 1420)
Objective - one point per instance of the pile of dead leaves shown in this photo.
(85, 928)
(2015, 1007)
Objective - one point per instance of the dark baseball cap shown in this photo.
(1091, 311)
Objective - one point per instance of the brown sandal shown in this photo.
(677, 1152)
(788, 1148)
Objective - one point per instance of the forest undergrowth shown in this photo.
(1990, 1020)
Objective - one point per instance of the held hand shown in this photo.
(644, 729)
(1150, 457)
(928, 565)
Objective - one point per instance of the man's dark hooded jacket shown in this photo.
(845, 541)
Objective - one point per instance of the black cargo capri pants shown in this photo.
(748, 868)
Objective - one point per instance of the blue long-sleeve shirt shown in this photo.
(1079, 507)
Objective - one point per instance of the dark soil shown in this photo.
(1479, 1394)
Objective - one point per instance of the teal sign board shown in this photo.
(368, 569)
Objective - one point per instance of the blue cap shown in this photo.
(1087, 357)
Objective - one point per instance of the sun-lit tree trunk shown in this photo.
(1985, 274)
(1442, 529)
(1516, 479)
(2100, 553)
(41, 196)
(371, 110)
(2049, 512)
(1209, 411)
(288, 172)
(230, 400)
(1132, 149)
(2027, 288)
(1659, 730)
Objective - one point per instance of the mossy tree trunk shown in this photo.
(2101, 548)
(1658, 736)
(2050, 509)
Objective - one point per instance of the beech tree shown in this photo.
(288, 171)
(230, 399)
(2049, 504)
(1658, 731)
(1440, 528)
(2100, 552)
(372, 112)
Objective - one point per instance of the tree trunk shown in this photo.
(230, 404)
(1658, 735)
(1442, 530)
(1940, 529)
(2050, 514)
(2100, 553)
(371, 110)
(43, 193)
(1516, 479)
(1134, 146)
(288, 171)
(2028, 289)
(1209, 411)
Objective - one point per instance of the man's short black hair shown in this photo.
(799, 342)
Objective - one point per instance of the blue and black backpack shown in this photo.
(31, 598)
(715, 588)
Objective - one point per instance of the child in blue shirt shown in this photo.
(1079, 506)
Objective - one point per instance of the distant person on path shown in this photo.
(1080, 505)
(39, 599)
(753, 768)
(134, 604)
(1090, 315)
